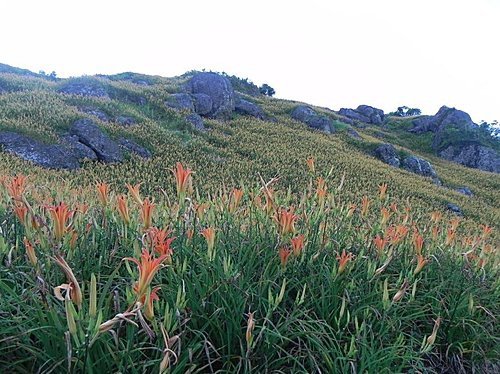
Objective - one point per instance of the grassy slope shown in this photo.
(232, 152)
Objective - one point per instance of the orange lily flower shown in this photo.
(182, 178)
(134, 192)
(60, 215)
(321, 190)
(421, 261)
(160, 242)
(310, 164)
(386, 214)
(16, 187)
(380, 244)
(436, 216)
(103, 193)
(122, 207)
(450, 236)
(284, 253)
(298, 244)
(148, 266)
(209, 235)
(343, 260)
(435, 232)
(147, 213)
(236, 196)
(30, 251)
(21, 212)
(351, 210)
(147, 301)
(382, 191)
(365, 205)
(418, 243)
(394, 207)
(486, 231)
(286, 221)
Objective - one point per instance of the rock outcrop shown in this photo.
(474, 156)
(248, 108)
(307, 115)
(133, 147)
(388, 154)
(180, 101)
(364, 113)
(220, 91)
(93, 137)
(84, 87)
(53, 156)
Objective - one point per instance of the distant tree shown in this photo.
(267, 90)
(404, 111)
(492, 129)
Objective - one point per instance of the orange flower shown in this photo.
(486, 231)
(352, 208)
(209, 235)
(122, 207)
(160, 242)
(436, 216)
(60, 215)
(134, 192)
(343, 260)
(421, 261)
(250, 327)
(321, 190)
(148, 266)
(73, 239)
(103, 193)
(418, 243)
(236, 196)
(21, 212)
(286, 221)
(30, 251)
(310, 164)
(284, 253)
(147, 209)
(147, 301)
(16, 187)
(450, 236)
(394, 207)
(435, 232)
(182, 179)
(380, 244)
(382, 191)
(454, 223)
(386, 214)
(365, 205)
(298, 244)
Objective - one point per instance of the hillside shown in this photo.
(194, 225)
(133, 106)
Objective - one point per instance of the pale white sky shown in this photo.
(385, 53)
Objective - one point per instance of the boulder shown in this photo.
(312, 119)
(419, 166)
(218, 88)
(93, 137)
(202, 104)
(353, 134)
(248, 108)
(197, 122)
(54, 156)
(132, 146)
(474, 156)
(455, 209)
(465, 191)
(445, 117)
(80, 150)
(180, 101)
(95, 112)
(125, 121)
(84, 87)
(388, 154)
(363, 113)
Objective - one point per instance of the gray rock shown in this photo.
(95, 112)
(250, 109)
(474, 156)
(84, 87)
(134, 147)
(465, 191)
(80, 150)
(220, 91)
(445, 117)
(196, 121)
(308, 116)
(455, 209)
(363, 113)
(202, 104)
(54, 156)
(93, 137)
(125, 121)
(180, 101)
(388, 154)
(419, 166)
(353, 134)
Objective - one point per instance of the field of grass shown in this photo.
(286, 250)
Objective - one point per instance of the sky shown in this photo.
(384, 53)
